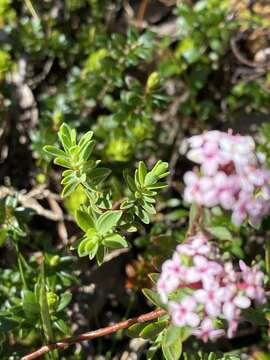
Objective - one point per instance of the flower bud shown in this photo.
(153, 81)
(53, 300)
(54, 261)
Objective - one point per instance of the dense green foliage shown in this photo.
(106, 95)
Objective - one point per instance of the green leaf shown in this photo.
(177, 214)
(44, 308)
(97, 176)
(171, 351)
(134, 330)
(67, 173)
(154, 277)
(85, 138)
(55, 151)
(129, 181)
(66, 136)
(3, 236)
(93, 251)
(152, 330)
(149, 208)
(88, 166)
(86, 150)
(84, 220)
(126, 204)
(142, 215)
(158, 185)
(150, 179)
(220, 232)
(86, 246)
(115, 241)
(108, 221)
(69, 188)
(64, 301)
(153, 297)
(74, 152)
(30, 305)
(142, 171)
(255, 317)
(173, 333)
(62, 162)
(100, 255)
(62, 326)
(160, 169)
(69, 179)
(146, 198)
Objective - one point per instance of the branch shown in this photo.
(94, 334)
(241, 58)
(141, 12)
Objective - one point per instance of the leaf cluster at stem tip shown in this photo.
(102, 225)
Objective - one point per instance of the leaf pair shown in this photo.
(144, 187)
(99, 233)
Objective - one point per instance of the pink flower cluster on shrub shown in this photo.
(230, 176)
(211, 290)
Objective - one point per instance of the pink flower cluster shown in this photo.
(231, 176)
(199, 289)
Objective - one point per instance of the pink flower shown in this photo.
(170, 277)
(231, 314)
(209, 156)
(196, 245)
(252, 282)
(240, 149)
(207, 331)
(242, 302)
(196, 141)
(257, 208)
(173, 265)
(226, 187)
(184, 313)
(240, 208)
(205, 270)
(211, 296)
(192, 191)
(217, 290)
(209, 192)
(230, 175)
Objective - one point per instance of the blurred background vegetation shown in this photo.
(143, 75)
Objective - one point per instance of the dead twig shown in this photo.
(30, 200)
(242, 59)
(61, 227)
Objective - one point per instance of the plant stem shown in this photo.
(19, 258)
(62, 344)
(31, 9)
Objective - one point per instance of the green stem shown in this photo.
(20, 265)
(31, 9)
(45, 313)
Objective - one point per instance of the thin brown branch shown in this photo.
(141, 12)
(242, 59)
(94, 334)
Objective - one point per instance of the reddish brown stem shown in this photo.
(94, 334)
(141, 12)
